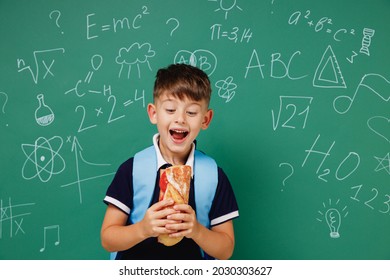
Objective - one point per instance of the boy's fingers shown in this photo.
(183, 208)
(162, 204)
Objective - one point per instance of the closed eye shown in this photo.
(192, 114)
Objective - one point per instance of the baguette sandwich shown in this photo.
(174, 183)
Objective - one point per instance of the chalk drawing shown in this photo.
(333, 217)
(203, 59)
(226, 88)
(376, 83)
(13, 215)
(368, 33)
(176, 24)
(328, 73)
(137, 54)
(43, 114)
(380, 125)
(289, 175)
(226, 6)
(56, 229)
(56, 14)
(5, 101)
(351, 59)
(384, 163)
(43, 159)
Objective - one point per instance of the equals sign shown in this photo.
(106, 27)
(224, 34)
(127, 103)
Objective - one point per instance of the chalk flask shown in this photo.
(43, 114)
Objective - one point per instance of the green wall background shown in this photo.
(301, 126)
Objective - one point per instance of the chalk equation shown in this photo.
(345, 169)
(325, 24)
(82, 86)
(293, 112)
(44, 61)
(235, 35)
(87, 119)
(93, 29)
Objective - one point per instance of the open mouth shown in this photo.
(178, 134)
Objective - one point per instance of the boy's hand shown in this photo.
(155, 219)
(186, 223)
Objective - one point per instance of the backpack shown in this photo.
(144, 179)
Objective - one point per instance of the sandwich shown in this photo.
(174, 183)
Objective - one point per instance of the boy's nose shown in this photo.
(180, 117)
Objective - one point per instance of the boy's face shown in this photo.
(178, 123)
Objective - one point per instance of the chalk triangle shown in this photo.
(328, 73)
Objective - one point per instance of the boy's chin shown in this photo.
(180, 146)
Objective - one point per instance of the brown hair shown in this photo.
(182, 80)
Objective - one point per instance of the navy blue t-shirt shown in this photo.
(120, 194)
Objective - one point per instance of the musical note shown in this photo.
(376, 83)
(47, 228)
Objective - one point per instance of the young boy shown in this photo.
(180, 110)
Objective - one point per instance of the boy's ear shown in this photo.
(152, 113)
(207, 118)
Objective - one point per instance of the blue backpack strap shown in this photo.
(144, 180)
(205, 181)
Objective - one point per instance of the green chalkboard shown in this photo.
(301, 127)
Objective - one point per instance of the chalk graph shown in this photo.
(77, 150)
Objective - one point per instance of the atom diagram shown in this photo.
(43, 159)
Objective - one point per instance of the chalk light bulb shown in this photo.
(333, 219)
